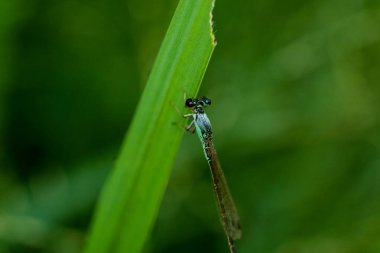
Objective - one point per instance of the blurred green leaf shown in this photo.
(133, 192)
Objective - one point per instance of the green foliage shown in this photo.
(295, 114)
(133, 192)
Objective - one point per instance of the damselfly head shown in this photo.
(198, 103)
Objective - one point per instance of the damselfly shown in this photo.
(228, 212)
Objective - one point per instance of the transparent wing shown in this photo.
(229, 215)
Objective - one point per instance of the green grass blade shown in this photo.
(133, 192)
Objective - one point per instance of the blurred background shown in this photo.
(296, 105)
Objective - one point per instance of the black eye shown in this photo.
(190, 102)
(207, 101)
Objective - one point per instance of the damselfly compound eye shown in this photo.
(205, 100)
(190, 102)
